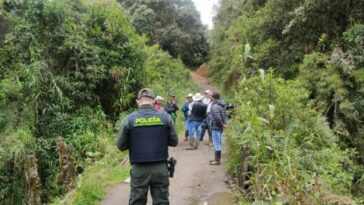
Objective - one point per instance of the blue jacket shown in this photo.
(185, 109)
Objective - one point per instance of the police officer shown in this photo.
(147, 133)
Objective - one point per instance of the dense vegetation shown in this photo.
(308, 127)
(174, 24)
(70, 68)
(295, 69)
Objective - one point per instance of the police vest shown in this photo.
(148, 137)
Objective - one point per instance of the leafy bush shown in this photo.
(67, 68)
(295, 157)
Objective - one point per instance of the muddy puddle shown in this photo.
(220, 198)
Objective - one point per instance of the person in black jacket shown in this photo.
(147, 133)
(218, 124)
(171, 107)
(198, 114)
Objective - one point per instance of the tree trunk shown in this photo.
(243, 176)
(33, 185)
(67, 166)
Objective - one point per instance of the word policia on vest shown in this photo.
(148, 121)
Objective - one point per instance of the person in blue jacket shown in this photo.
(186, 109)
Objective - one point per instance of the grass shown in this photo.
(95, 180)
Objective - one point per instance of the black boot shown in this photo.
(217, 158)
(214, 157)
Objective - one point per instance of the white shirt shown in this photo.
(206, 100)
(209, 108)
(190, 104)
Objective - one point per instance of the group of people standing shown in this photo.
(201, 113)
(205, 113)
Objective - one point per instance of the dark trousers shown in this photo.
(153, 176)
(206, 126)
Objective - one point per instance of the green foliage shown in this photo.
(319, 43)
(165, 74)
(70, 69)
(336, 85)
(174, 25)
(280, 32)
(293, 150)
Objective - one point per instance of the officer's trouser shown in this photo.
(156, 177)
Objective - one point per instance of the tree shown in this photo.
(174, 25)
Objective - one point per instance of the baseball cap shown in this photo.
(171, 95)
(190, 95)
(146, 92)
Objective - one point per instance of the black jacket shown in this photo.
(170, 108)
(198, 111)
(218, 115)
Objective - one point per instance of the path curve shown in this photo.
(195, 181)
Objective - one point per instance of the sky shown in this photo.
(205, 7)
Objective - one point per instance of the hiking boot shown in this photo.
(191, 147)
(217, 158)
(214, 162)
(214, 156)
(196, 144)
(209, 143)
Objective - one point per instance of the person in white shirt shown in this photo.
(206, 123)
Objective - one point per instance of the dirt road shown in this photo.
(195, 181)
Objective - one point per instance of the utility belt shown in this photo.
(171, 164)
(150, 163)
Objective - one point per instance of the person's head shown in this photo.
(145, 97)
(189, 97)
(215, 96)
(210, 94)
(206, 94)
(171, 97)
(158, 100)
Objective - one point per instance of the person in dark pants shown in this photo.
(171, 107)
(147, 133)
(218, 124)
(206, 123)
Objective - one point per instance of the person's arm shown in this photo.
(185, 107)
(122, 141)
(172, 135)
(224, 116)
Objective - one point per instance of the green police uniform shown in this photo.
(141, 136)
